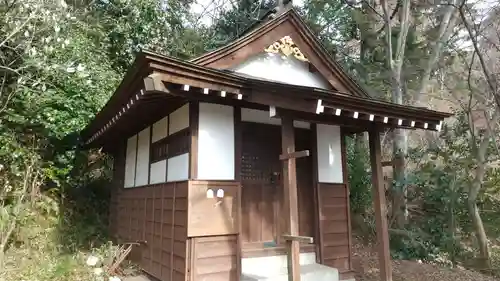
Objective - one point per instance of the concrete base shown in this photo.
(274, 268)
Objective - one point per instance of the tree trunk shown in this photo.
(482, 239)
(400, 148)
(395, 64)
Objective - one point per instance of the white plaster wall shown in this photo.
(142, 169)
(160, 129)
(178, 168)
(262, 116)
(329, 154)
(216, 142)
(130, 161)
(179, 119)
(281, 69)
(158, 172)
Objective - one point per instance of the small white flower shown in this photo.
(66, 42)
(419, 261)
(98, 271)
(70, 69)
(92, 260)
(80, 67)
(26, 33)
(114, 278)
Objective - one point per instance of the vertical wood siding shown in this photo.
(334, 226)
(156, 214)
(215, 258)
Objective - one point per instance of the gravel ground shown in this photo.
(365, 263)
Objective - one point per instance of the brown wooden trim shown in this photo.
(192, 259)
(194, 118)
(162, 195)
(166, 161)
(240, 219)
(150, 246)
(237, 142)
(136, 154)
(380, 206)
(317, 223)
(172, 233)
(149, 159)
(346, 183)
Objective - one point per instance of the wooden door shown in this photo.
(262, 189)
(261, 182)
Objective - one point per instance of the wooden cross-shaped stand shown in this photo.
(291, 210)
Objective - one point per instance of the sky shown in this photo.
(208, 9)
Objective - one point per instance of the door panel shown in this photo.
(262, 189)
(260, 168)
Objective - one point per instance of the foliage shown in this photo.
(359, 177)
(59, 63)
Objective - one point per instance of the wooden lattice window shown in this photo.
(178, 143)
(159, 150)
(171, 146)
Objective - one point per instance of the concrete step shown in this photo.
(308, 272)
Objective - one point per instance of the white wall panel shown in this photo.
(130, 158)
(282, 69)
(158, 172)
(178, 168)
(216, 142)
(160, 129)
(179, 119)
(262, 116)
(142, 169)
(329, 154)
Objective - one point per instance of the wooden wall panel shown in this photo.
(213, 216)
(334, 226)
(157, 215)
(215, 258)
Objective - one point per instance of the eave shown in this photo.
(155, 81)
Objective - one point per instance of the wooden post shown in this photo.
(290, 197)
(380, 207)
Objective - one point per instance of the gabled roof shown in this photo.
(290, 24)
(155, 82)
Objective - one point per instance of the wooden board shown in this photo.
(334, 226)
(213, 216)
(215, 258)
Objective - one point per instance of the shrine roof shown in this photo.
(158, 80)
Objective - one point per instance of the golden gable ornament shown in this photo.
(287, 47)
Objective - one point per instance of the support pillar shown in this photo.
(290, 198)
(380, 205)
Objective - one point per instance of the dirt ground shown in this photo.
(365, 263)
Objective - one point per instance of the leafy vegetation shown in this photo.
(61, 60)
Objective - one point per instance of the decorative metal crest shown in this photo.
(286, 46)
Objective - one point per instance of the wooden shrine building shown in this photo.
(232, 166)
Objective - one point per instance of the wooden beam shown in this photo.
(296, 154)
(290, 201)
(303, 239)
(380, 207)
